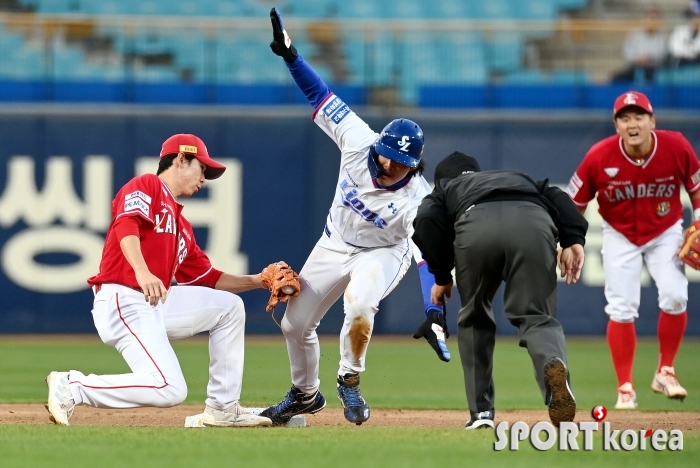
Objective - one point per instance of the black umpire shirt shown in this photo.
(434, 224)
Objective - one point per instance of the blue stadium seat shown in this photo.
(569, 77)
(228, 8)
(310, 9)
(493, 9)
(355, 57)
(450, 9)
(404, 9)
(359, 9)
(462, 58)
(418, 64)
(686, 75)
(57, 6)
(156, 73)
(108, 7)
(190, 50)
(525, 77)
(534, 9)
(570, 4)
(504, 51)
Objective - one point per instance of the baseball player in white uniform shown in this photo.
(149, 244)
(364, 250)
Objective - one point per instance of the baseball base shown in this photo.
(196, 420)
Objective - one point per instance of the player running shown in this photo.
(149, 243)
(364, 250)
(637, 175)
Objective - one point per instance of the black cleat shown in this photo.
(295, 402)
(482, 420)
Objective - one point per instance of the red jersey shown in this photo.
(167, 240)
(639, 200)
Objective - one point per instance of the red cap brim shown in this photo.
(214, 170)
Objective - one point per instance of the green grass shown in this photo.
(81, 446)
(400, 374)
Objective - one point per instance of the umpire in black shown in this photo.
(497, 226)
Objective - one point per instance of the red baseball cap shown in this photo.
(632, 98)
(192, 144)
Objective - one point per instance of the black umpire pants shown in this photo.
(515, 242)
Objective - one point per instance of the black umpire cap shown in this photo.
(455, 165)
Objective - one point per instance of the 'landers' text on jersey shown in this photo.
(639, 200)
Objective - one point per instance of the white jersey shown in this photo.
(363, 214)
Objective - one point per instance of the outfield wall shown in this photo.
(60, 167)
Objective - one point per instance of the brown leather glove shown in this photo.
(282, 281)
(689, 252)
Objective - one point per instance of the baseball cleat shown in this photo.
(295, 402)
(355, 408)
(233, 416)
(666, 382)
(61, 404)
(626, 397)
(482, 420)
(562, 405)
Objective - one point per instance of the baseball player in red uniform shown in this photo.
(149, 244)
(637, 175)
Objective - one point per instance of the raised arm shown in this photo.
(310, 83)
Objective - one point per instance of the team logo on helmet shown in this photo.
(403, 144)
(663, 208)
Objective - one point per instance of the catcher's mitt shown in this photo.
(689, 252)
(282, 281)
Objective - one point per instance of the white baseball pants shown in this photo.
(364, 277)
(141, 333)
(622, 261)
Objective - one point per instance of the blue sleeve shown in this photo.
(426, 283)
(306, 78)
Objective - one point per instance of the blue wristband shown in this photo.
(426, 283)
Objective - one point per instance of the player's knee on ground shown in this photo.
(174, 394)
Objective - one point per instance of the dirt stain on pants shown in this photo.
(360, 330)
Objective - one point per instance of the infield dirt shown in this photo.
(175, 417)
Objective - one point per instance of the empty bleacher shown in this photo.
(378, 44)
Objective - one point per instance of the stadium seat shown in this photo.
(462, 58)
(504, 51)
(359, 9)
(525, 77)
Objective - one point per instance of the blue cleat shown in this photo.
(355, 408)
(295, 402)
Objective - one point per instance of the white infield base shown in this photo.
(196, 420)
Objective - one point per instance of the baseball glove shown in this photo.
(282, 281)
(689, 252)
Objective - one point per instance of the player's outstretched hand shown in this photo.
(281, 44)
(434, 329)
(571, 263)
(152, 287)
